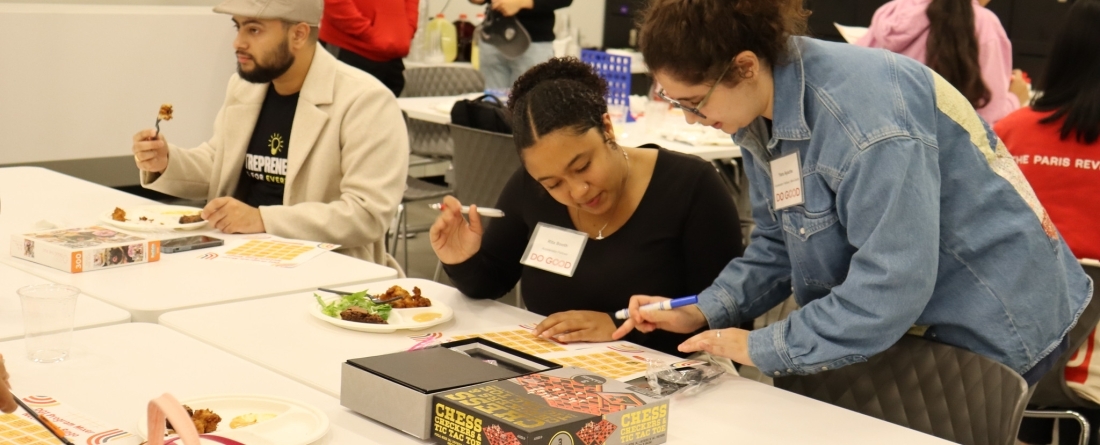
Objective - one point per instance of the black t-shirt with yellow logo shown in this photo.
(263, 178)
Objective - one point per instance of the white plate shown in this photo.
(163, 217)
(399, 318)
(295, 423)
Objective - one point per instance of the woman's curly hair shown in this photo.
(560, 93)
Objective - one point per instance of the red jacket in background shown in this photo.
(379, 30)
(1064, 174)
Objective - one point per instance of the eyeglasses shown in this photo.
(702, 103)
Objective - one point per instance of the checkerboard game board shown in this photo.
(17, 429)
(268, 251)
(610, 364)
(20, 429)
(521, 340)
(277, 252)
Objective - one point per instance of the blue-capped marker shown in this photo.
(624, 314)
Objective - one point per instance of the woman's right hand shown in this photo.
(682, 320)
(455, 240)
(7, 401)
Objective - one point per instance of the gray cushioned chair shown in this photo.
(430, 139)
(931, 387)
(483, 163)
(1052, 397)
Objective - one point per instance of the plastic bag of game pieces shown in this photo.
(691, 376)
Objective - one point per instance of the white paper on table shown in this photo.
(850, 33)
(697, 135)
(78, 427)
(266, 249)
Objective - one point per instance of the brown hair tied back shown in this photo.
(694, 40)
(560, 93)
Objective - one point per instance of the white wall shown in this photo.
(80, 77)
(121, 2)
(79, 80)
(587, 15)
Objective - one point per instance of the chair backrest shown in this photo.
(483, 162)
(930, 387)
(427, 138)
(442, 81)
(1052, 391)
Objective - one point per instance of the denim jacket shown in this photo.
(914, 214)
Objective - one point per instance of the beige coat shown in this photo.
(347, 159)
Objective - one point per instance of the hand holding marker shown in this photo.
(666, 305)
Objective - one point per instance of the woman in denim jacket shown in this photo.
(878, 194)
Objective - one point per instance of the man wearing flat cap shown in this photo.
(304, 146)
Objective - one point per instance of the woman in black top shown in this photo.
(658, 222)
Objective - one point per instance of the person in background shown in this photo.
(7, 400)
(878, 195)
(1056, 142)
(655, 220)
(959, 39)
(537, 16)
(372, 35)
(304, 147)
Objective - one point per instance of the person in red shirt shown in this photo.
(1055, 141)
(372, 35)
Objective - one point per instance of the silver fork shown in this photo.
(343, 293)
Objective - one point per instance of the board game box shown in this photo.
(566, 406)
(85, 249)
(397, 389)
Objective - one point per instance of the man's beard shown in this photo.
(283, 59)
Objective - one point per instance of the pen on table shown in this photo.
(53, 429)
(624, 314)
(483, 211)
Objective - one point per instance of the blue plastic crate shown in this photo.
(615, 70)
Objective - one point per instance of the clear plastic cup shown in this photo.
(49, 312)
(656, 112)
(617, 112)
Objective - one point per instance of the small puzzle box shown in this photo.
(85, 249)
(566, 406)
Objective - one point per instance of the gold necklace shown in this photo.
(626, 177)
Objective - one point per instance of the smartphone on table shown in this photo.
(189, 243)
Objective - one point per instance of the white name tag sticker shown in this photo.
(787, 181)
(554, 249)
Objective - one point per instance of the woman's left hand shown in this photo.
(731, 343)
(577, 326)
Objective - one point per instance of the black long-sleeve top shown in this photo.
(539, 20)
(684, 231)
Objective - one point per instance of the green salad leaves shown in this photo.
(357, 299)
